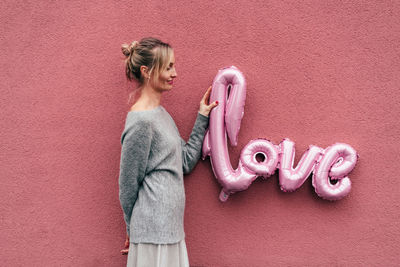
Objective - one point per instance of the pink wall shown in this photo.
(318, 72)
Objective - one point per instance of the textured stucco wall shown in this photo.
(318, 72)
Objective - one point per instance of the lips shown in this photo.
(170, 82)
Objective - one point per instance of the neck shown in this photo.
(149, 97)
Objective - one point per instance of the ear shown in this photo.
(144, 71)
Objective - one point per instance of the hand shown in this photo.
(204, 107)
(126, 249)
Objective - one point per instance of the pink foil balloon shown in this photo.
(290, 179)
(225, 121)
(334, 163)
(338, 161)
(260, 146)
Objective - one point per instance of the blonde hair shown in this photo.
(149, 52)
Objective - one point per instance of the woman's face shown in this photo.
(167, 76)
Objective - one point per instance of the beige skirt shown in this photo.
(158, 255)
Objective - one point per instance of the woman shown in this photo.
(154, 158)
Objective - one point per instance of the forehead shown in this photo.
(171, 58)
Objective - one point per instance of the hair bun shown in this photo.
(133, 46)
(128, 50)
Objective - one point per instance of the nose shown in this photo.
(174, 74)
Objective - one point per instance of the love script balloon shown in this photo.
(333, 163)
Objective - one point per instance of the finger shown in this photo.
(208, 92)
(124, 251)
(214, 104)
(206, 95)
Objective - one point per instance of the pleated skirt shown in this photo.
(158, 255)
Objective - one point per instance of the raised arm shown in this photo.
(136, 143)
(191, 151)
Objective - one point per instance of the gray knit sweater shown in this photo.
(154, 158)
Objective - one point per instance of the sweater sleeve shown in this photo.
(191, 151)
(136, 143)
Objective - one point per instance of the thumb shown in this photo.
(214, 104)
